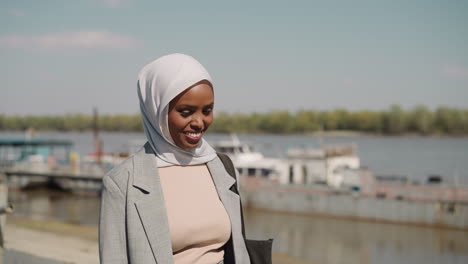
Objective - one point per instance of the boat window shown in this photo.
(251, 171)
(304, 174)
(226, 149)
(291, 174)
(451, 208)
(221, 149)
(266, 172)
(239, 170)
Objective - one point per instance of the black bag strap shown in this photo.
(229, 166)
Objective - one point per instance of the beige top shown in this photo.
(198, 222)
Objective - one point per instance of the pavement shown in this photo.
(23, 245)
(40, 242)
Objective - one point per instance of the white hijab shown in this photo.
(158, 83)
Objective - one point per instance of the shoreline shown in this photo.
(58, 242)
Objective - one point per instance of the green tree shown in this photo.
(305, 121)
(421, 120)
(395, 120)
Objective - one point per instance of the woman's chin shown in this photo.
(188, 145)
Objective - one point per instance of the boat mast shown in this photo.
(97, 140)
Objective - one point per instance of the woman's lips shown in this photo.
(193, 137)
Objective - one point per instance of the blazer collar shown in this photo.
(221, 179)
(144, 169)
(151, 206)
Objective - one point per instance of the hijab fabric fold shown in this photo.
(158, 83)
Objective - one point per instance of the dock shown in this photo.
(66, 179)
(29, 162)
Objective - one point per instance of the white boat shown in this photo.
(335, 166)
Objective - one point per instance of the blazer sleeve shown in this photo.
(112, 229)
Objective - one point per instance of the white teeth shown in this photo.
(195, 135)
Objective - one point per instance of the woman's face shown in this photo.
(190, 115)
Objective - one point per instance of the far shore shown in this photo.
(351, 133)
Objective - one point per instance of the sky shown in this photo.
(67, 56)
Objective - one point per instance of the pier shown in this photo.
(30, 162)
(65, 179)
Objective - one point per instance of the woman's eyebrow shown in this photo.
(193, 106)
(186, 106)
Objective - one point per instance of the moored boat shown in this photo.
(329, 181)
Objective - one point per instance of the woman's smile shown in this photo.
(195, 136)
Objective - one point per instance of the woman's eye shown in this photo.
(185, 113)
(208, 110)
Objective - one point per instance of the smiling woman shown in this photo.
(173, 201)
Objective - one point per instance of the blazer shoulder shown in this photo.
(118, 177)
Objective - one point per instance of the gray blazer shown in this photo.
(133, 225)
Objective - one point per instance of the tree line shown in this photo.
(393, 121)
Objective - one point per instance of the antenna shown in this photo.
(235, 139)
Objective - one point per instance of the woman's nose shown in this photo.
(197, 122)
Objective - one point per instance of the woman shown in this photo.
(171, 202)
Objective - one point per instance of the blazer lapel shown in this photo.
(231, 201)
(151, 206)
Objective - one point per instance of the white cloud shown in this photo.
(70, 40)
(455, 72)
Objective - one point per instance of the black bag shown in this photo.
(259, 250)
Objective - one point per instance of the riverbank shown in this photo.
(55, 242)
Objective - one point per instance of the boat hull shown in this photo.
(320, 201)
